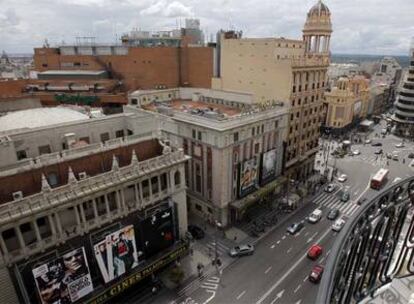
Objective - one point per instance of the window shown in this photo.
(210, 210)
(134, 101)
(256, 148)
(194, 134)
(262, 129)
(177, 178)
(198, 207)
(236, 137)
(299, 101)
(85, 139)
(276, 124)
(198, 178)
(199, 135)
(44, 149)
(76, 64)
(297, 114)
(154, 185)
(44, 65)
(253, 131)
(291, 116)
(53, 179)
(163, 180)
(21, 154)
(119, 133)
(104, 137)
(293, 103)
(130, 132)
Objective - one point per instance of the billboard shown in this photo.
(268, 171)
(248, 176)
(116, 254)
(157, 231)
(65, 279)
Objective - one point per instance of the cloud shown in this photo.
(369, 26)
(165, 9)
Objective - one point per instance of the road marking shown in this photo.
(278, 242)
(306, 233)
(329, 251)
(305, 279)
(240, 295)
(273, 246)
(268, 269)
(312, 237)
(209, 285)
(298, 302)
(297, 288)
(289, 249)
(212, 296)
(283, 237)
(321, 260)
(286, 273)
(278, 296)
(214, 279)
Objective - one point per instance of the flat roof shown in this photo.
(72, 72)
(189, 106)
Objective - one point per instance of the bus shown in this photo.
(379, 179)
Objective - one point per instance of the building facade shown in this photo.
(403, 116)
(235, 144)
(88, 223)
(289, 71)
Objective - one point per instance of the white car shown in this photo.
(368, 141)
(339, 223)
(342, 178)
(356, 152)
(399, 145)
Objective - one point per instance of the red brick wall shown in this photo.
(30, 181)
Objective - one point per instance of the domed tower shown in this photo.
(317, 30)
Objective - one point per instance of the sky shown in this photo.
(379, 27)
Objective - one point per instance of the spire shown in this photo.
(71, 176)
(45, 184)
(115, 164)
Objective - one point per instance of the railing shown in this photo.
(374, 247)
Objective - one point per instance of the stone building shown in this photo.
(93, 216)
(235, 144)
(291, 71)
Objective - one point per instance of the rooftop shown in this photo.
(72, 72)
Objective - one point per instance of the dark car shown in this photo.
(330, 188)
(316, 274)
(295, 228)
(333, 214)
(196, 232)
(361, 200)
(378, 151)
(411, 155)
(377, 144)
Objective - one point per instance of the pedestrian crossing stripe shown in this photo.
(331, 201)
(220, 247)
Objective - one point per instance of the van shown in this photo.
(315, 216)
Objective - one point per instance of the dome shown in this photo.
(39, 117)
(319, 9)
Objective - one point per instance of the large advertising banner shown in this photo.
(157, 231)
(268, 171)
(117, 253)
(65, 279)
(248, 176)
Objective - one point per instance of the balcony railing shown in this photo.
(375, 247)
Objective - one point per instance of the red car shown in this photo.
(314, 252)
(316, 274)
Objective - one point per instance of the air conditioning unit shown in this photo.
(17, 195)
(82, 175)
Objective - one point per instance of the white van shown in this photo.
(315, 216)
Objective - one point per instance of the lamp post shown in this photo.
(218, 225)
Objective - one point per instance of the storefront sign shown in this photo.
(135, 278)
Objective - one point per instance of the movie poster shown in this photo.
(117, 253)
(248, 176)
(157, 231)
(268, 171)
(65, 279)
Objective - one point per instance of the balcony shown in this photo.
(373, 249)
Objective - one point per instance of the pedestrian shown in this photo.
(235, 238)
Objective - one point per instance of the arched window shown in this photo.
(177, 178)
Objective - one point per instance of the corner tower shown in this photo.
(317, 30)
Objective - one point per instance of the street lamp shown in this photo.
(218, 225)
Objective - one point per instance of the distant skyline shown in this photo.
(376, 27)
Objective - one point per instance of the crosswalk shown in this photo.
(212, 283)
(221, 248)
(332, 201)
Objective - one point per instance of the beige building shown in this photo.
(288, 71)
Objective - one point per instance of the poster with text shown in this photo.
(248, 176)
(268, 171)
(116, 254)
(65, 279)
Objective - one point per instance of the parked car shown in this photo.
(315, 216)
(412, 163)
(333, 214)
(389, 156)
(316, 274)
(379, 151)
(345, 197)
(356, 152)
(399, 145)
(395, 155)
(361, 200)
(411, 155)
(314, 252)
(342, 178)
(330, 188)
(196, 232)
(295, 228)
(339, 223)
(368, 141)
(377, 144)
(241, 250)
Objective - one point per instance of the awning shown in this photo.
(242, 204)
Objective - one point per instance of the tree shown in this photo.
(176, 275)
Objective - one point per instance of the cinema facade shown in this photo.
(85, 226)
